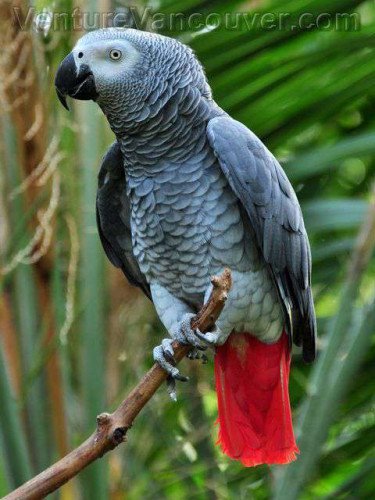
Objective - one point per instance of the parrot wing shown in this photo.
(274, 213)
(113, 218)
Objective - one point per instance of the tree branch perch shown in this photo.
(112, 427)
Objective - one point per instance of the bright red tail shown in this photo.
(254, 409)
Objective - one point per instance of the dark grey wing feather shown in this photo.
(113, 218)
(266, 194)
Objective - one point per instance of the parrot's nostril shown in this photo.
(80, 55)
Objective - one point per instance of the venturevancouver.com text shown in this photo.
(78, 20)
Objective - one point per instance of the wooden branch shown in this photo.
(112, 427)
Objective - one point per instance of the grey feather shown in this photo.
(275, 215)
(113, 218)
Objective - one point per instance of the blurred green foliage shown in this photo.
(74, 337)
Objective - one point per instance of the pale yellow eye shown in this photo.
(115, 54)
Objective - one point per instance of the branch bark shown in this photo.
(112, 427)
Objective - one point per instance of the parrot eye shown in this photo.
(115, 54)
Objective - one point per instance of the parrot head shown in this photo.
(126, 69)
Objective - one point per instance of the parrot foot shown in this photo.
(183, 333)
(186, 335)
(163, 355)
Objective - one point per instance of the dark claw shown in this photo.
(171, 388)
(191, 355)
(194, 354)
(204, 359)
(180, 377)
(169, 357)
(168, 350)
(201, 347)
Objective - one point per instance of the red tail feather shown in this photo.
(254, 410)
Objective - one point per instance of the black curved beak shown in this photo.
(69, 82)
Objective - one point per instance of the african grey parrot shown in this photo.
(184, 191)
